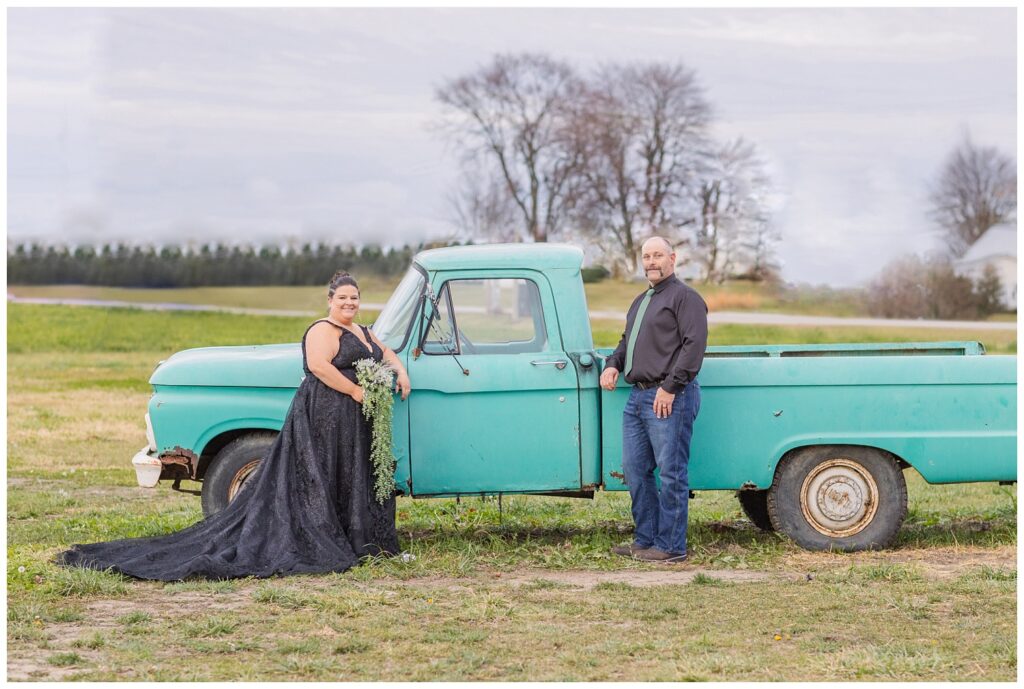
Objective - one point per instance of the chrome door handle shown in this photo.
(557, 363)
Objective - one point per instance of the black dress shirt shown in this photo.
(672, 339)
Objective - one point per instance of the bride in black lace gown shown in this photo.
(310, 506)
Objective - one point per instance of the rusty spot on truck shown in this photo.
(179, 463)
(619, 475)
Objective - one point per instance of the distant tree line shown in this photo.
(120, 265)
(607, 158)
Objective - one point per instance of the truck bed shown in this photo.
(945, 408)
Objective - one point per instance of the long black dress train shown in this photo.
(309, 507)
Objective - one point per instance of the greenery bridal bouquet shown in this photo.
(378, 380)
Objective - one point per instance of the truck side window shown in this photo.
(491, 316)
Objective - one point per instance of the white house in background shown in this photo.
(998, 247)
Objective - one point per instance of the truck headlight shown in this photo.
(149, 434)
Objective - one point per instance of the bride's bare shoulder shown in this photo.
(323, 329)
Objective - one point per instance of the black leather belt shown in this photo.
(647, 386)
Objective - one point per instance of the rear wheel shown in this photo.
(755, 506)
(839, 497)
(232, 468)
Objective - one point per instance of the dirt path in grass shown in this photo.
(932, 563)
(28, 662)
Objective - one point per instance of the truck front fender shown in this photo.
(191, 417)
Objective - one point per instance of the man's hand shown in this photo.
(663, 404)
(609, 377)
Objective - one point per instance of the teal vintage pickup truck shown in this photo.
(497, 342)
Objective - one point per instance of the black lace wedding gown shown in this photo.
(309, 507)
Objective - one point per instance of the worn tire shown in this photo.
(230, 469)
(755, 505)
(839, 497)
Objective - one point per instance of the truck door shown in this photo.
(496, 402)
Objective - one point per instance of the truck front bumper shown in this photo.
(147, 468)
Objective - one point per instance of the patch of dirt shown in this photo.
(103, 491)
(935, 563)
(29, 663)
(660, 575)
(28, 669)
(657, 575)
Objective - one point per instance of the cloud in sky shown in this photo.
(276, 124)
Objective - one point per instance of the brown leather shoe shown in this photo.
(654, 555)
(627, 550)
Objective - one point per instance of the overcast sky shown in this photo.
(274, 125)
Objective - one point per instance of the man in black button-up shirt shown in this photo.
(661, 356)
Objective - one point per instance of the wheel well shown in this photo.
(796, 450)
(218, 443)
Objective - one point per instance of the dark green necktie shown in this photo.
(636, 330)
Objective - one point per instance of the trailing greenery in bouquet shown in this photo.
(378, 380)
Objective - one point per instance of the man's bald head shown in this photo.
(664, 243)
(658, 258)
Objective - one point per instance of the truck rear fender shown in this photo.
(939, 456)
(794, 450)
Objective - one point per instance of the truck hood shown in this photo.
(256, 366)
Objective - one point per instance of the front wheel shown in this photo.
(231, 468)
(839, 497)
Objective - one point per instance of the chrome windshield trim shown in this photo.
(424, 284)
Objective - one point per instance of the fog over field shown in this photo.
(275, 125)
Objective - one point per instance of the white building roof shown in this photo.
(998, 240)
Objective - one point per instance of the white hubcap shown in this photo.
(839, 497)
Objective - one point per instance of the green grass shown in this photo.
(39, 328)
(134, 618)
(65, 659)
(608, 333)
(607, 295)
(457, 612)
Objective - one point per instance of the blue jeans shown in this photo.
(648, 442)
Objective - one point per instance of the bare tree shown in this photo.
(976, 189)
(733, 211)
(513, 113)
(482, 207)
(913, 287)
(641, 129)
(759, 246)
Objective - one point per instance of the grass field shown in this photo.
(607, 295)
(530, 593)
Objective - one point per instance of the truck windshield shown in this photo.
(393, 323)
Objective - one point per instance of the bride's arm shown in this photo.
(321, 347)
(391, 359)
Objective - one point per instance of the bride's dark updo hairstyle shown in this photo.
(340, 278)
